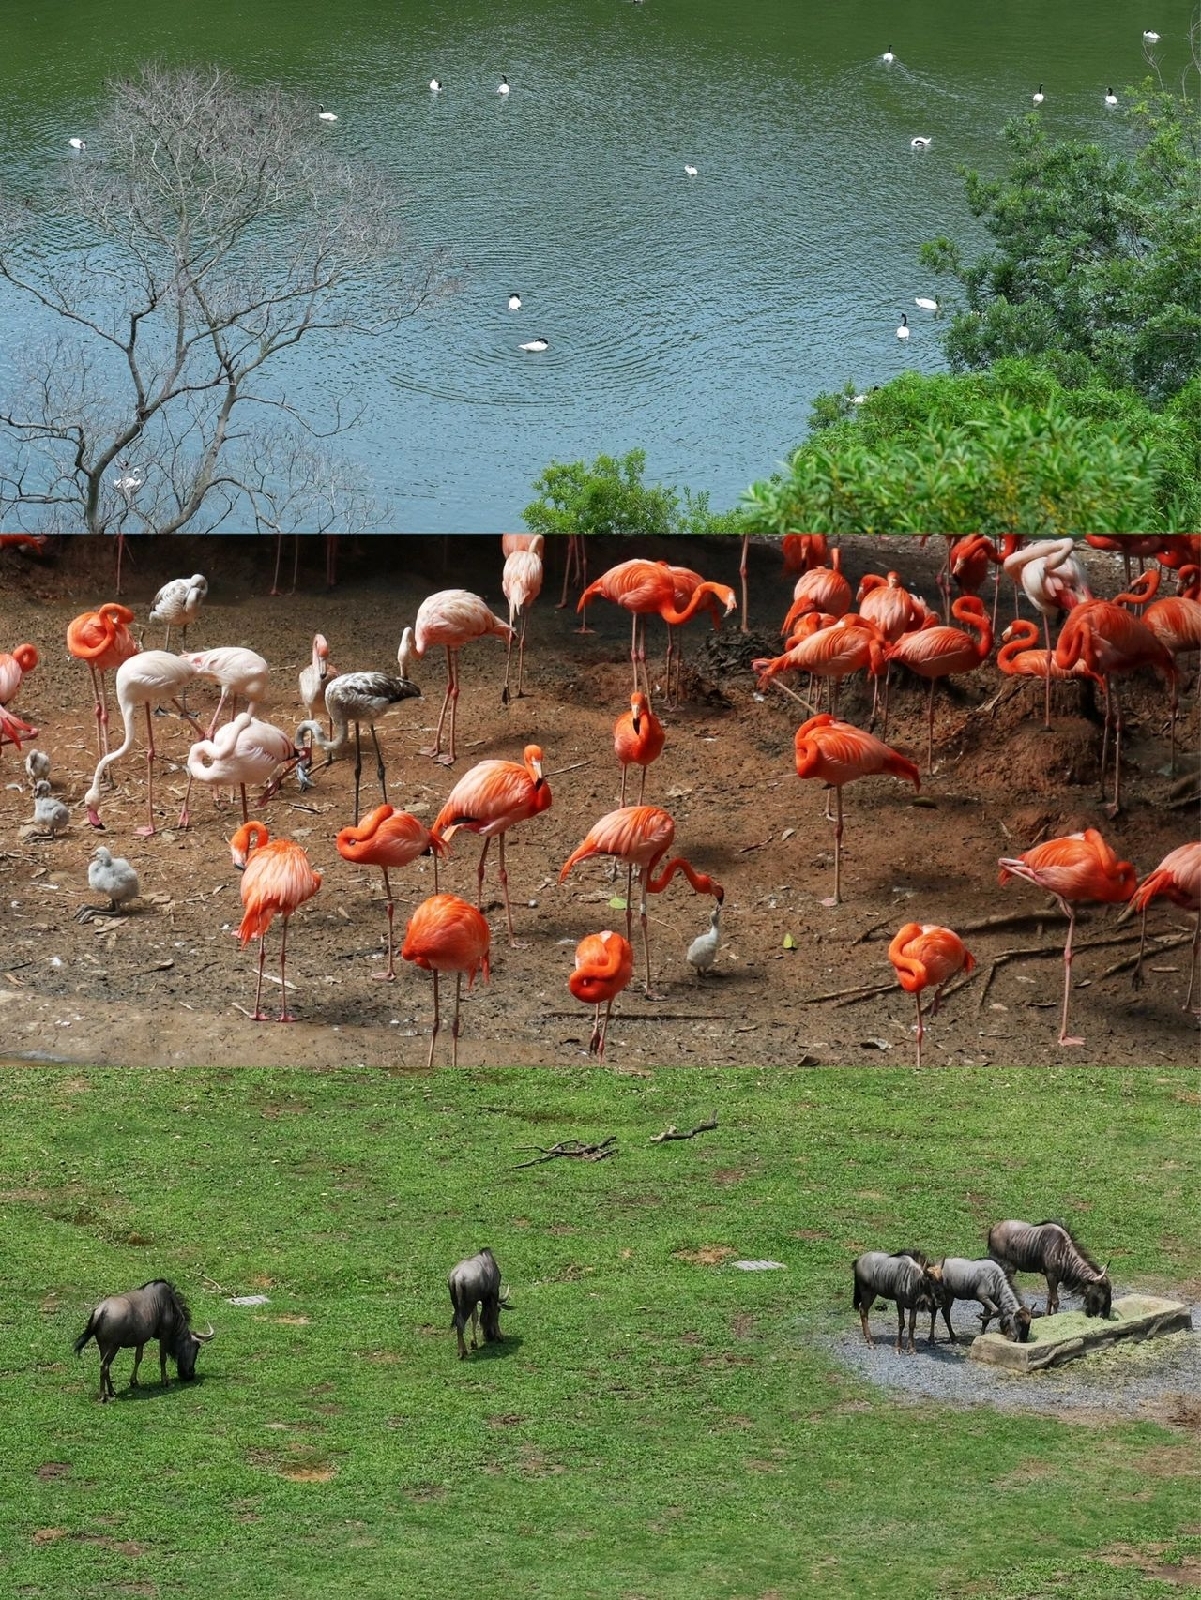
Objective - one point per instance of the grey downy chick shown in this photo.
(113, 876)
(50, 816)
(37, 766)
(702, 952)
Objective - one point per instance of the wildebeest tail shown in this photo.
(87, 1334)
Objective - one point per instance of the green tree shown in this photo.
(610, 497)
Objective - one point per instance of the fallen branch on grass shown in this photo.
(672, 1132)
(570, 1147)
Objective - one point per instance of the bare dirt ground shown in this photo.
(168, 984)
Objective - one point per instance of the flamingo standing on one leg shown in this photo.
(935, 651)
(1076, 869)
(489, 800)
(387, 838)
(640, 836)
(1054, 581)
(177, 603)
(453, 617)
(276, 879)
(647, 588)
(604, 965)
(522, 584)
(1178, 879)
(103, 641)
(445, 934)
(838, 753)
(576, 567)
(358, 697)
(819, 589)
(143, 679)
(13, 668)
(245, 751)
(926, 956)
(638, 739)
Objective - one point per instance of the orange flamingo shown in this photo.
(640, 836)
(1018, 656)
(276, 879)
(13, 730)
(522, 584)
(604, 965)
(1176, 623)
(512, 542)
(453, 617)
(804, 551)
(886, 603)
(638, 739)
(1189, 582)
(13, 668)
(848, 645)
(925, 956)
(489, 800)
(103, 641)
(685, 583)
(838, 753)
(445, 934)
(1110, 642)
(819, 589)
(644, 588)
(936, 651)
(1178, 879)
(387, 838)
(1076, 869)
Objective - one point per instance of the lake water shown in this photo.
(695, 317)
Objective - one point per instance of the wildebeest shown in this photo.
(985, 1282)
(155, 1311)
(1049, 1248)
(475, 1293)
(905, 1278)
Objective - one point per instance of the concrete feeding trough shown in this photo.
(1069, 1334)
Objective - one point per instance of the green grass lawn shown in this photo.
(656, 1423)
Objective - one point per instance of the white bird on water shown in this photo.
(920, 141)
(888, 58)
(903, 330)
(514, 302)
(535, 344)
(691, 171)
(37, 766)
(1039, 97)
(50, 816)
(110, 875)
(77, 144)
(503, 86)
(925, 303)
(1111, 99)
(1150, 36)
(326, 116)
(177, 603)
(702, 952)
(435, 85)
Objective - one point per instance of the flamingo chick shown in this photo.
(276, 879)
(103, 641)
(491, 799)
(702, 952)
(111, 875)
(50, 816)
(1078, 868)
(927, 956)
(143, 679)
(838, 753)
(445, 934)
(177, 603)
(1178, 879)
(522, 584)
(359, 697)
(453, 617)
(604, 965)
(37, 767)
(640, 836)
(387, 838)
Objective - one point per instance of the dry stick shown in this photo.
(570, 1147)
(651, 1016)
(672, 1132)
(859, 992)
(1161, 945)
(799, 698)
(559, 771)
(1052, 950)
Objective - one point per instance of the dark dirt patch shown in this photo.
(727, 776)
(50, 1471)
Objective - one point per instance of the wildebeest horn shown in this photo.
(204, 1337)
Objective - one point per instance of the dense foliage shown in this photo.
(610, 496)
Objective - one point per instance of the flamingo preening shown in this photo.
(142, 680)
(521, 583)
(387, 838)
(276, 879)
(445, 934)
(1178, 879)
(1054, 581)
(927, 956)
(245, 751)
(177, 603)
(241, 674)
(102, 640)
(604, 965)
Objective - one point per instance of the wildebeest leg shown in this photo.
(987, 1313)
(475, 1326)
(864, 1307)
(912, 1327)
(459, 1336)
(900, 1327)
(137, 1362)
(946, 1316)
(1052, 1295)
(162, 1362)
(106, 1378)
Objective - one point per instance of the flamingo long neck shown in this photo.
(1025, 637)
(975, 618)
(1141, 591)
(699, 881)
(128, 708)
(611, 965)
(702, 592)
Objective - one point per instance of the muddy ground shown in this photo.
(168, 984)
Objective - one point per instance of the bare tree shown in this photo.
(203, 231)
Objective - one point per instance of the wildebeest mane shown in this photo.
(182, 1314)
(1053, 1222)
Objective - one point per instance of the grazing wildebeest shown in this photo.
(475, 1293)
(155, 1311)
(985, 1282)
(905, 1278)
(1049, 1248)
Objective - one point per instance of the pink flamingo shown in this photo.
(387, 838)
(521, 583)
(102, 639)
(848, 645)
(935, 651)
(313, 679)
(819, 589)
(646, 588)
(13, 730)
(13, 668)
(240, 672)
(1178, 879)
(926, 956)
(245, 751)
(276, 879)
(489, 800)
(604, 965)
(1054, 581)
(638, 739)
(445, 934)
(143, 679)
(453, 617)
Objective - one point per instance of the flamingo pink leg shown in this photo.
(148, 830)
(437, 1023)
(285, 1015)
(387, 977)
(1064, 1037)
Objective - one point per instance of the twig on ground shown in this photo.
(1161, 945)
(793, 695)
(672, 1132)
(861, 991)
(570, 1147)
(559, 771)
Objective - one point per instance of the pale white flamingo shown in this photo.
(521, 583)
(245, 751)
(177, 603)
(241, 674)
(453, 617)
(143, 679)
